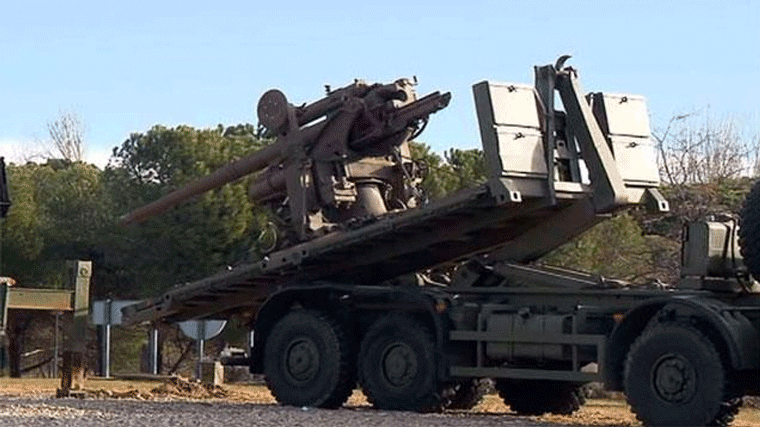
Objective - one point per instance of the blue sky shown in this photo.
(128, 66)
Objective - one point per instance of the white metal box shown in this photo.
(621, 114)
(510, 129)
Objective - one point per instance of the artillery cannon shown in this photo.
(342, 157)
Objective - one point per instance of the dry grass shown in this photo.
(596, 412)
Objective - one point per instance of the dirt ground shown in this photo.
(596, 412)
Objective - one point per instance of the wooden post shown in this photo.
(75, 345)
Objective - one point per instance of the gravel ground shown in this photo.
(180, 402)
(44, 411)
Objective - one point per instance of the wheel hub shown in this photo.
(399, 365)
(674, 378)
(301, 360)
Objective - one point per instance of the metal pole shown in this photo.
(154, 351)
(55, 347)
(199, 369)
(107, 340)
(250, 342)
(201, 334)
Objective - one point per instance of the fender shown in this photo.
(734, 334)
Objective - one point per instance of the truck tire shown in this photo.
(538, 397)
(397, 366)
(307, 361)
(467, 394)
(749, 231)
(674, 376)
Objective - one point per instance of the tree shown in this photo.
(618, 248)
(194, 239)
(67, 135)
(706, 153)
(469, 167)
(458, 169)
(705, 166)
(59, 208)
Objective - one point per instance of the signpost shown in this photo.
(201, 330)
(106, 313)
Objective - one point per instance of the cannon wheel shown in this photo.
(397, 366)
(674, 376)
(537, 397)
(307, 361)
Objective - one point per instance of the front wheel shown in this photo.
(307, 361)
(674, 377)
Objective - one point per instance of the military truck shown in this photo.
(352, 290)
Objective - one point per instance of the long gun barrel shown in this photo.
(229, 173)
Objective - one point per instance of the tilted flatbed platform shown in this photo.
(399, 243)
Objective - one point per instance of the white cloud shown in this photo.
(20, 152)
(98, 156)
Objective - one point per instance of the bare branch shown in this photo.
(704, 153)
(67, 135)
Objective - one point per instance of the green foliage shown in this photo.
(58, 209)
(127, 345)
(194, 239)
(460, 169)
(616, 248)
(69, 210)
(22, 228)
(468, 166)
